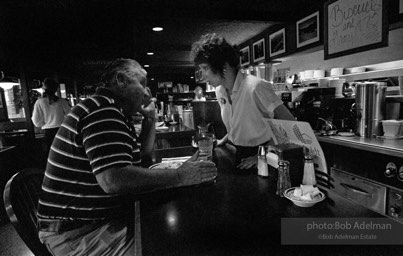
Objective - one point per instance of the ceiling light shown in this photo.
(157, 29)
(146, 65)
(152, 79)
(191, 77)
(150, 53)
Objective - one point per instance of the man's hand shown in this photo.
(248, 162)
(194, 172)
(148, 111)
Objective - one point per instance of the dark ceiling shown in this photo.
(83, 34)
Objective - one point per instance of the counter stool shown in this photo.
(20, 200)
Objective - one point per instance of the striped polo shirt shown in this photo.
(94, 137)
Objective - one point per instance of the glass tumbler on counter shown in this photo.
(283, 180)
(205, 141)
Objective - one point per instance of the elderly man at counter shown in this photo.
(244, 99)
(94, 166)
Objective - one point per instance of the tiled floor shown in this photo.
(10, 243)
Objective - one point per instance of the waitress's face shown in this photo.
(215, 79)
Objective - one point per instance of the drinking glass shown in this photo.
(205, 142)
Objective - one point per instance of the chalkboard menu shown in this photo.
(354, 25)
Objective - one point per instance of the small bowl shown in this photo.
(308, 74)
(318, 73)
(336, 71)
(358, 70)
(392, 128)
(289, 194)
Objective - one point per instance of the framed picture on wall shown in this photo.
(244, 56)
(258, 50)
(277, 43)
(348, 34)
(308, 30)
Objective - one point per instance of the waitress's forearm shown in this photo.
(282, 112)
(223, 140)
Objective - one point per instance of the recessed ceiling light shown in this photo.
(150, 53)
(157, 29)
(146, 65)
(191, 77)
(152, 79)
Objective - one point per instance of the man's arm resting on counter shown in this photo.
(147, 137)
(137, 180)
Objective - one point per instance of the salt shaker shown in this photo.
(262, 168)
(309, 171)
(283, 180)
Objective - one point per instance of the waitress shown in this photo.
(244, 99)
(49, 111)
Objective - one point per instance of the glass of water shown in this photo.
(205, 142)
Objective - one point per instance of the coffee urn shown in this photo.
(370, 107)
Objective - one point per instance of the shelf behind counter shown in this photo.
(182, 97)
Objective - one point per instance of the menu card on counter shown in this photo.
(300, 133)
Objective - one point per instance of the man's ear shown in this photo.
(121, 80)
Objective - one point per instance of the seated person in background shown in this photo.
(199, 94)
(94, 166)
(244, 99)
(49, 111)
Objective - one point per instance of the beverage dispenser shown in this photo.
(3, 106)
(370, 108)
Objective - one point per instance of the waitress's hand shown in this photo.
(247, 163)
(221, 142)
(194, 172)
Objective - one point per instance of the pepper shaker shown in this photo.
(283, 180)
(262, 168)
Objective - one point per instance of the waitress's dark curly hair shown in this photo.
(215, 51)
(50, 87)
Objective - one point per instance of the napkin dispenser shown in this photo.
(290, 152)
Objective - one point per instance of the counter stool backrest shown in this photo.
(20, 197)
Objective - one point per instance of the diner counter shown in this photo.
(239, 214)
(393, 147)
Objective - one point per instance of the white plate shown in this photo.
(346, 134)
(159, 124)
(289, 194)
(167, 165)
(161, 128)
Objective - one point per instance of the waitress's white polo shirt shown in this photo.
(252, 99)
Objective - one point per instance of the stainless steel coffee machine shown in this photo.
(370, 107)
